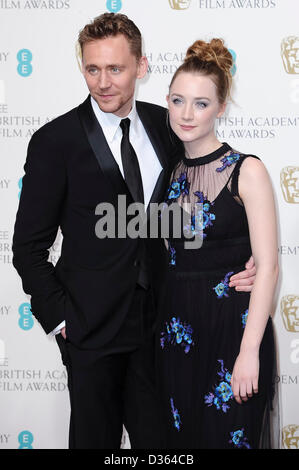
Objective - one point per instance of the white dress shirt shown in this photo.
(150, 167)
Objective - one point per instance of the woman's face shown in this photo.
(193, 107)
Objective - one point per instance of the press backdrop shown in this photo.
(40, 79)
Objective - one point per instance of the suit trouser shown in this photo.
(114, 385)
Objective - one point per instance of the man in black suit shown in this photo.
(99, 296)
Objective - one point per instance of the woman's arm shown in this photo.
(256, 192)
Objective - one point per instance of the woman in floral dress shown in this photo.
(215, 347)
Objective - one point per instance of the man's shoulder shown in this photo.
(151, 108)
(60, 126)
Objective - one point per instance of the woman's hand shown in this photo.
(244, 381)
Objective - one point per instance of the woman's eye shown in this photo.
(176, 100)
(201, 104)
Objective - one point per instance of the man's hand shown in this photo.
(62, 331)
(244, 280)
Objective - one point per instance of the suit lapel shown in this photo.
(101, 148)
(151, 129)
(105, 158)
(152, 132)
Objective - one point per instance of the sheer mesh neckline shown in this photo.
(203, 177)
(207, 158)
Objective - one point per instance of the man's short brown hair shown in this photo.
(112, 24)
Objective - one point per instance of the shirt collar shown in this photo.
(110, 122)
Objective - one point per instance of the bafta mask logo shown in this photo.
(179, 4)
(290, 436)
(289, 181)
(289, 308)
(290, 54)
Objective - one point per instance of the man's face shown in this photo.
(111, 70)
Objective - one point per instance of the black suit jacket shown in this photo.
(69, 170)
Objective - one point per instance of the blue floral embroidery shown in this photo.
(196, 226)
(177, 333)
(223, 287)
(172, 254)
(176, 416)
(178, 187)
(228, 161)
(207, 216)
(244, 318)
(239, 440)
(222, 392)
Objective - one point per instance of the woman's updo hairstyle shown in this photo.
(210, 59)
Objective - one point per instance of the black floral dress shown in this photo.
(202, 320)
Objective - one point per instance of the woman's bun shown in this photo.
(211, 52)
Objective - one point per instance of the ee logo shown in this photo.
(20, 183)
(25, 439)
(234, 67)
(114, 5)
(24, 57)
(26, 321)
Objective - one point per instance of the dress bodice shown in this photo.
(211, 180)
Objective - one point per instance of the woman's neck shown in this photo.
(200, 149)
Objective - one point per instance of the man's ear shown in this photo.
(142, 67)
